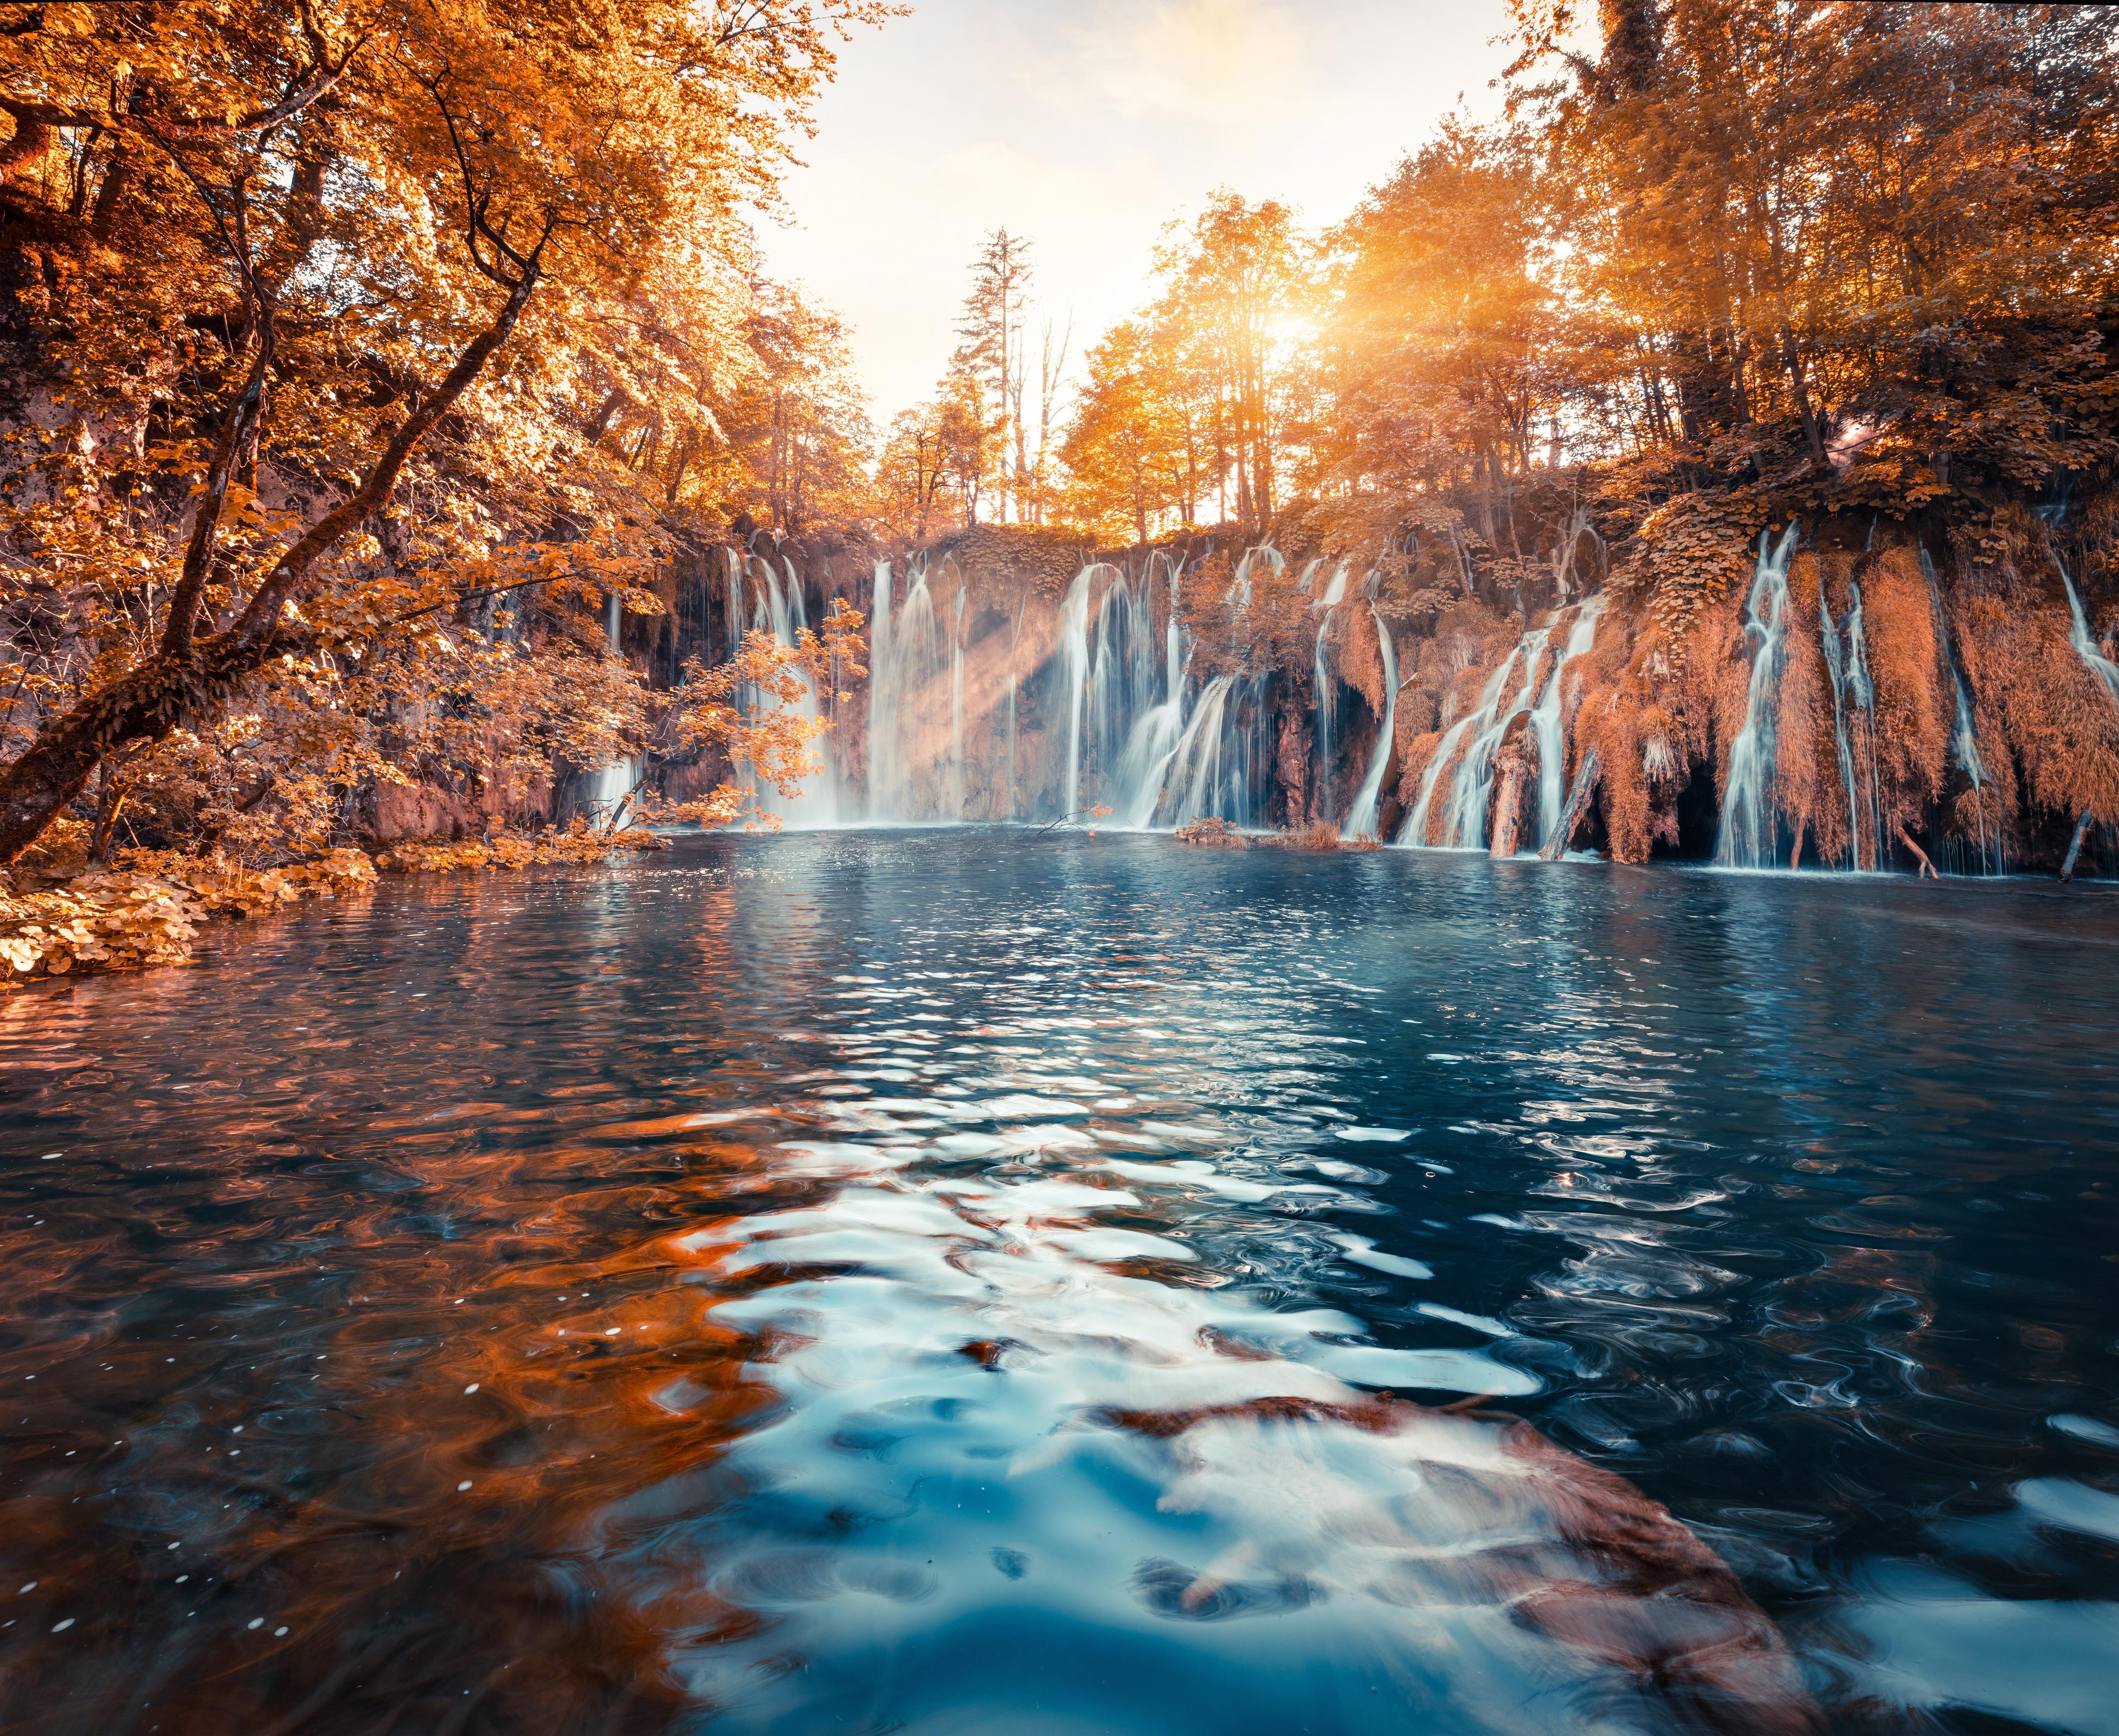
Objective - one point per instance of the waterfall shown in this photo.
(1564, 557)
(1325, 688)
(1544, 720)
(1321, 677)
(735, 626)
(1848, 677)
(1138, 785)
(1362, 817)
(1471, 791)
(1466, 780)
(2085, 647)
(1074, 647)
(778, 612)
(1472, 786)
(1211, 763)
(1750, 836)
(1863, 692)
(904, 660)
(780, 615)
(1477, 723)
(1014, 639)
(882, 701)
(957, 703)
(610, 785)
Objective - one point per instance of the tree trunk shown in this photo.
(1578, 804)
(2075, 848)
(1515, 768)
(1926, 867)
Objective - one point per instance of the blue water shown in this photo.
(955, 1281)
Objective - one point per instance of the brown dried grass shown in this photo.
(2037, 698)
(1413, 759)
(1914, 706)
(1610, 721)
(1808, 791)
(1359, 657)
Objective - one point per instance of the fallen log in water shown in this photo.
(1926, 867)
(1578, 802)
(2074, 849)
(1514, 770)
(1212, 831)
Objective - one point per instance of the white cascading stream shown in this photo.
(881, 699)
(1544, 720)
(1074, 647)
(1750, 835)
(956, 704)
(1362, 817)
(904, 660)
(1471, 787)
(612, 783)
(1477, 722)
(2085, 647)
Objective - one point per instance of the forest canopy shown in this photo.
(366, 359)
(396, 399)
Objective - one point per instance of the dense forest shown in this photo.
(401, 429)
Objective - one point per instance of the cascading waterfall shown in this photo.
(2101, 666)
(1326, 688)
(1074, 647)
(1475, 724)
(1515, 690)
(1120, 720)
(2085, 647)
(1750, 836)
(1212, 764)
(1567, 550)
(957, 703)
(612, 783)
(881, 699)
(1472, 789)
(1847, 670)
(1544, 720)
(1836, 677)
(1327, 705)
(1361, 819)
(905, 658)
(1153, 744)
(1014, 642)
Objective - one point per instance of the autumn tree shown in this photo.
(1237, 289)
(911, 471)
(796, 417)
(1439, 357)
(1125, 446)
(298, 257)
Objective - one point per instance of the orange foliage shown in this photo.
(146, 914)
(1414, 755)
(2034, 694)
(1808, 791)
(1913, 703)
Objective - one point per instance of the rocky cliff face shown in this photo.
(1836, 703)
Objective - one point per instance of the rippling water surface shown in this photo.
(952, 1282)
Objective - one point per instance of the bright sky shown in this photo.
(1086, 125)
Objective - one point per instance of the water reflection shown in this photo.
(942, 1282)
